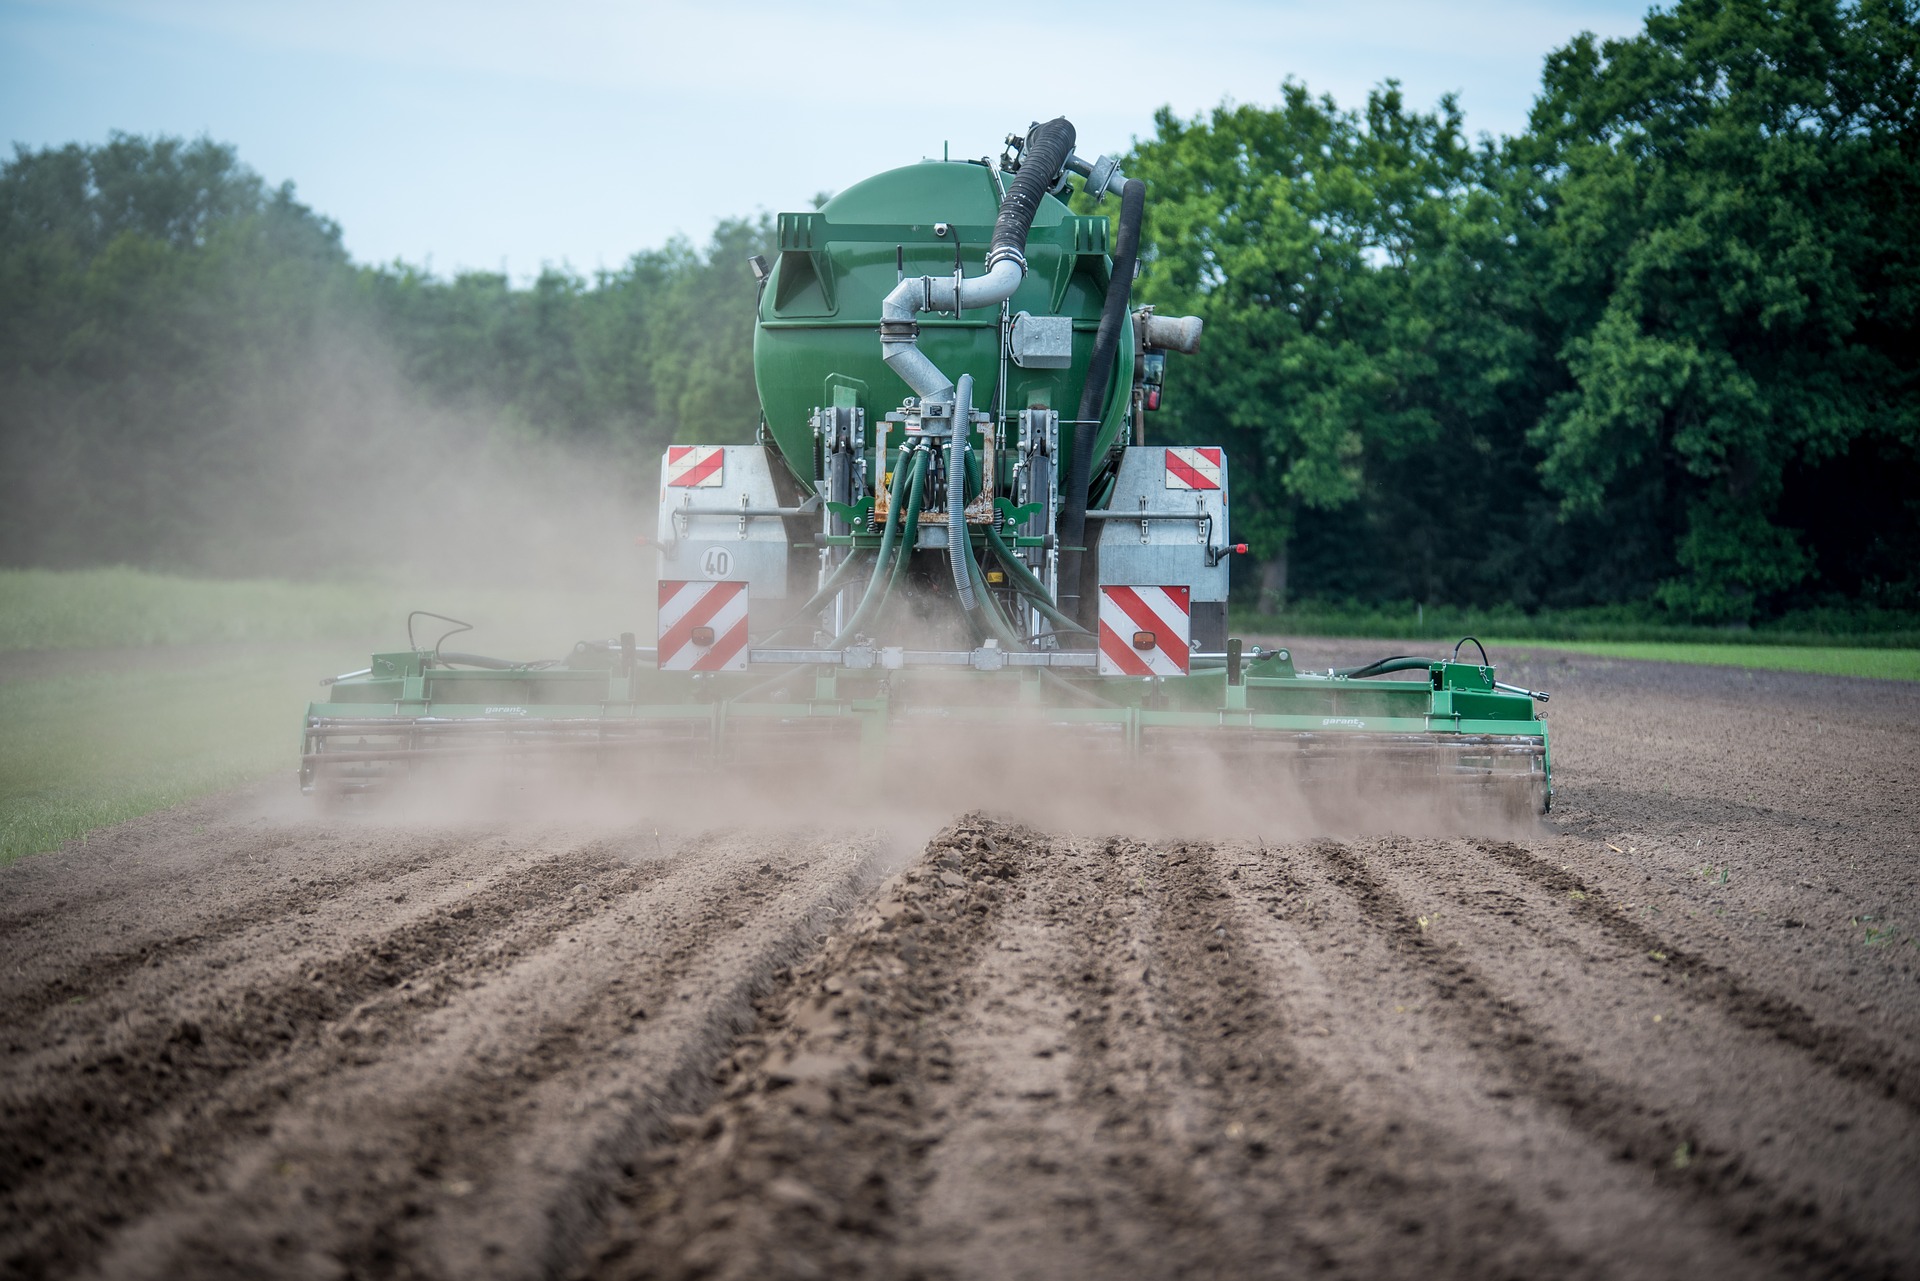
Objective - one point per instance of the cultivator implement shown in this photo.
(1452, 723)
(949, 533)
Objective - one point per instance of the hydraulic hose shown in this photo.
(909, 528)
(888, 536)
(1072, 526)
(910, 521)
(958, 550)
(1023, 578)
(992, 619)
(1030, 586)
(1381, 667)
(818, 601)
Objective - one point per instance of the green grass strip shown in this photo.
(1882, 664)
(1862, 626)
(129, 608)
(82, 751)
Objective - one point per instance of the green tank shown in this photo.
(817, 341)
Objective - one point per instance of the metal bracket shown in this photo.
(864, 656)
(745, 513)
(1020, 514)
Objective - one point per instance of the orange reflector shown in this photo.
(701, 636)
(1144, 640)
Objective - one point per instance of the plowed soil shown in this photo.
(1672, 1031)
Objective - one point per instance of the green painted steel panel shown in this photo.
(819, 318)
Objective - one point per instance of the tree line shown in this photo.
(1659, 348)
(194, 375)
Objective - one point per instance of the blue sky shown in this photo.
(483, 134)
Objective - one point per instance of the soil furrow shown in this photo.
(1311, 1162)
(87, 978)
(1067, 1137)
(1365, 1020)
(1666, 1147)
(811, 1161)
(1851, 1054)
(145, 1109)
(1655, 1035)
(487, 1146)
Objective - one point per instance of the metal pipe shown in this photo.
(456, 658)
(1171, 333)
(890, 658)
(1542, 695)
(804, 509)
(1102, 175)
(1047, 149)
(900, 332)
(678, 515)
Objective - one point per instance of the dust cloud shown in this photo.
(1066, 779)
(338, 465)
(330, 465)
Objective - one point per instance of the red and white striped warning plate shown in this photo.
(1193, 467)
(1144, 630)
(703, 627)
(699, 465)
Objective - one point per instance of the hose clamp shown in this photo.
(1002, 253)
(900, 330)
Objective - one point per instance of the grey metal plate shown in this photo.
(1171, 549)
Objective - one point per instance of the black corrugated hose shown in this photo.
(1106, 341)
(1042, 158)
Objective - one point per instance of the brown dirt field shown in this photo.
(1673, 1032)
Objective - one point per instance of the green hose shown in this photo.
(1023, 578)
(995, 621)
(870, 599)
(818, 601)
(910, 524)
(1032, 588)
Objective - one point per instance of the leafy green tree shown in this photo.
(1345, 264)
(700, 346)
(658, 350)
(144, 284)
(1726, 245)
(185, 350)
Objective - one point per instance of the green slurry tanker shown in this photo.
(949, 527)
